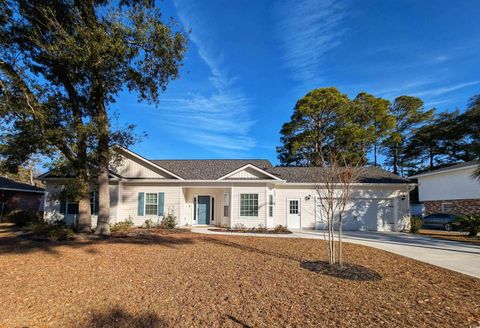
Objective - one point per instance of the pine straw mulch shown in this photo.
(186, 280)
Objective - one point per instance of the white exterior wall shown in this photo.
(373, 207)
(455, 184)
(249, 221)
(190, 193)
(128, 205)
(365, 212)
(52, 203)
(248, 173)
(134, 168)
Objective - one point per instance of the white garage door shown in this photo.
(363, 214)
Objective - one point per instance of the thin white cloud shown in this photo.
(443, 90)
(433, 95)
(307, 30)
(218, 120)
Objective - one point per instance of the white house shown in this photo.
(250, 192)
(452, 189)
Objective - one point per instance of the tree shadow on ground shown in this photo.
(238, 321)
(349, 271)
(23, 244)
(119, 318)
(247, 248)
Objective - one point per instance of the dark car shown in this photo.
(442, 221)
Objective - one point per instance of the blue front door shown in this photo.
(203, 209)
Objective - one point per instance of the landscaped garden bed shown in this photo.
(261, 229)
(192, 280)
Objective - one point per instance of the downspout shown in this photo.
(1, 213)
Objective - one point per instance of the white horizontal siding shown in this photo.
(128, 205)
(52, 203)
(249, 221)
(362, 210)
(459, 184)
(217, 193)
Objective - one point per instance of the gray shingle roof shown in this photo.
(8, 184)
(208, 169)
(451, 167)
(310, 175)
(212, 169)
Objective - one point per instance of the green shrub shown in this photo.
(59, 233)
(53, 231)
(415, 224)
(281, 229)
(122, 227)
(261, 228)
(169, 221)
(148, 224)
(22, 218)
(470, 224)
(239, 226)
(40, 228)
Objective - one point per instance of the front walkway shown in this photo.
(456, 256)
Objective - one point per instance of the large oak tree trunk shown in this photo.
(103, 223)
(84, 215)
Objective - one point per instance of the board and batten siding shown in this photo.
(128, 205)
(134, 168)
(247, 173)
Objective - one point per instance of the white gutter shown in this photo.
(24, 190)
(443, 171)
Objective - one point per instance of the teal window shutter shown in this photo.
(141, 196)
(63, 206)
(95, 202)
(161, 197)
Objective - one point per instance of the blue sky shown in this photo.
(249, 62)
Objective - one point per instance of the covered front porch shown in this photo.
(207, 206)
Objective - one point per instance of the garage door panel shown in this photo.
(360, 214)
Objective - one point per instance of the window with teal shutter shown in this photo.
(161, 200)
(63, 206)
(140, 203)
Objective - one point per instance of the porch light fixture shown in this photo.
(307, 198)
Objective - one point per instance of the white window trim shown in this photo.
(240, 205)
(272, 205)
(145, 204)
(226, 203)
(195, 209)
(443, 207)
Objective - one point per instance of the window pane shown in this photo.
(294, 207)
(248, 204)
(151, 198)
(151, 209)
(72, 208)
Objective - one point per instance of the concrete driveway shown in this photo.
(456, 256)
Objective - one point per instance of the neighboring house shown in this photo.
(235, 192)
(452, 189)
(19, 196)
